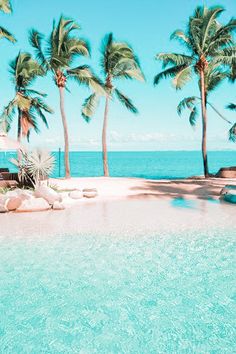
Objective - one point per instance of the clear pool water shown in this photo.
(139, 277)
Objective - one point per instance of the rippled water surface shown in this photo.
(137, 277)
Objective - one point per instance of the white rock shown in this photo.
(47, 193)
(3, 209)
(33, 204)
(58, 206)
(13, 203)
(77, 194)
(69, 202)
(22, 193)
(90, 193)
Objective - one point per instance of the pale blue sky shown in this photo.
(146, 25)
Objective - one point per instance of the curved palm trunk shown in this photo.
(19, 126)
(104, 139)
(65, 128)
(204, 123)
(19, 133)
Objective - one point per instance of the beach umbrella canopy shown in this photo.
(7, 143)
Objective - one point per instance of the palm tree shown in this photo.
(232, 131)
(62, 47)
(5, 6)
(118, 62)
(214, 76)
(206, 41)
(28, 103)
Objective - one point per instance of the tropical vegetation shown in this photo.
(57, 56)
(34, 166)
(118, 62)
(214, 76)
(28, 103)
(205, 41)
(209, 57)
(5, 7)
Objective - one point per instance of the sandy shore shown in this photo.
(128, 206)
(119, 188)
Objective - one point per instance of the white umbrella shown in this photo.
(7, 143)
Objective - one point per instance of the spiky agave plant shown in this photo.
(34, 166)
(214, 76)
(205, 40)
(28, 103)
(61, 49)
(118, 61)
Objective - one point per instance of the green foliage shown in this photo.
(232, 106)
(126, 101)
(34, 166)
(58, 52)
(206, 41)
(232, 133)
(118, 61)
(5, 6)
(4, 190)
(210, 49)
(24, 70)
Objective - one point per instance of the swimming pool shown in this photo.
(122, 277)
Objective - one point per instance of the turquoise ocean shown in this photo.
(144, 164)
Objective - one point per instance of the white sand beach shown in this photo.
(119, 188)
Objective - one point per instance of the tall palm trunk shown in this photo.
(204, 123)
(65, 128)
(104, 139)
(19, 125)
(19, 133)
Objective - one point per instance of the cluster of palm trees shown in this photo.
(210, 57)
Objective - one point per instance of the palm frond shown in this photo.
(119, 60)
(35, 39)
(30, 92)
(24, 70)
(174, 59)
(182, 77)
(190, 103)
(4, 33)
(126, 101)
(7, 116)
(5, 6)
(168, 73)
(84, 75)
(231, 106)
(89, 106)
(232, 133)
(180, 36)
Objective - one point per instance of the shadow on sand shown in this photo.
(178, 191)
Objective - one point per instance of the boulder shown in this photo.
(77, 194)
(47, 193)
(33, 204)
(227, 172)
(13, 203)
(227, 189)
(58, 206)
(20, 193)
(228, 193)
(90, 192)
(3, 209)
